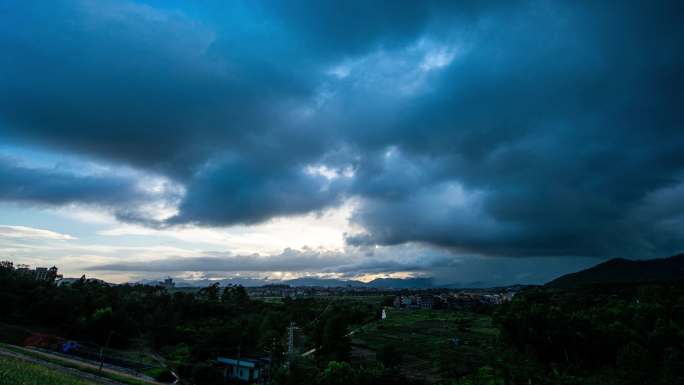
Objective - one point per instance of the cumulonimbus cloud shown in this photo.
(559, 122)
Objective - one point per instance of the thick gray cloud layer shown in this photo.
(289, 260)
(528, 129)
(57, 187)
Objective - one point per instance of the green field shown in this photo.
(16, 372)
(423, 332)
(426, 340)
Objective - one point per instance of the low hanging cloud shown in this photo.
(527, 129)
(354, 263)
(24, 232)
(51, 187)
(289, 260)
(350, 262)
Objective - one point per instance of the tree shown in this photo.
(636, 363)
(101, 323)
(673, 367)
(334, 342)
(210, 293)
(389, 356)
(338, 373)
(235, 295)
(6, 266)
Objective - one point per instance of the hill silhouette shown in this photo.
(624, 270)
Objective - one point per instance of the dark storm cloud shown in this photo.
(349, 262)
(528, 129)
(56, 187)
(129, 82)
(240, 192)
(559, 136)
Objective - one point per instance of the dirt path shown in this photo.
(79, 363)
(163, 364)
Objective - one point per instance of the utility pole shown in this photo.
(290, 342)
(109, 337)
(238, 371)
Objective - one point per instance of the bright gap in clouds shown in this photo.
(103, 239)
(320, 230)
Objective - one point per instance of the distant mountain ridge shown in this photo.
(624, 270)
(401, 283)
(378, 283)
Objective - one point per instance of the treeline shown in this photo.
(189, 328)
(601, 334)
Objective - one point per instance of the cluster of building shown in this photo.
(403, 298)
(167, 283)
(39, 273)
(459, 300)
(45, 274)
(272, 291)
(287, 291)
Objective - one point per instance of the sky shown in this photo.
(496, 142)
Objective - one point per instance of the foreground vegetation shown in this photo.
(189, 329)
(618, 334)
(16, 372)
(73, 365)
(598, 334)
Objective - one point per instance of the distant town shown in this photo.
(403, 298)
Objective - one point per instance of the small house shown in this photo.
(243, 369)
(426, 301)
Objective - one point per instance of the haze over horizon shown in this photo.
(497, 142)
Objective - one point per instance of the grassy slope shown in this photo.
(16, 372)
(69, 364)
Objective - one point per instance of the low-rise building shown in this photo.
(426, 301)
(39, 273)
(250, 370)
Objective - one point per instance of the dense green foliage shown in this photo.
(188, 328)
(607, 334)
(618, 334)
(340, 373)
